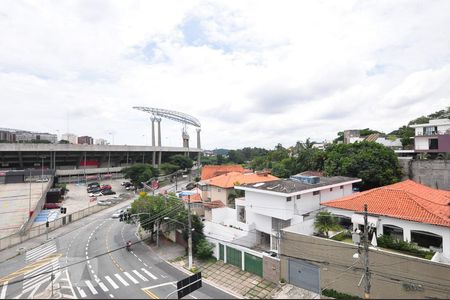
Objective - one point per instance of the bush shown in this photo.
(337, 295)
(204, 249)
(386, 241)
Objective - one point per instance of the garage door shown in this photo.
(221, 256)
(304, 275)
(234, 257)
(253, 264)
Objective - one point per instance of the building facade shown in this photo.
(70, 137)
(433, 137)
(85, 140)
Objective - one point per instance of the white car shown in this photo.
(104, 202)
(118, 213)
(95, 194)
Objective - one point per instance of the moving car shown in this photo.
(117, 213)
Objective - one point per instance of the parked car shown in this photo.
(106, 187)
(130, 188)
(97, 194)
(94, 189)
(52, 205)
(125, 183)
(190, 186)
(104, 202)
(92, 184)
(117, 213)
(108, 192)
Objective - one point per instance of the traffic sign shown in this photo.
(188, 285)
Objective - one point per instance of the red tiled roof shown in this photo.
(214, 204)
(213, 171)
(195, 198)
(405, 200)
(228, 180)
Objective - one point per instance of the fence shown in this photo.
(38, 230)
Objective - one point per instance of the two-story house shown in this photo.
(433, 137)
(271, 206)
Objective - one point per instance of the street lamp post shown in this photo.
(47, 225)
(29, 198)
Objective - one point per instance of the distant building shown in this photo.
(433, 136)
(101, 142)
(351, 133)
(7, 136)
(70, 137)
(85, 140)
(21, 136)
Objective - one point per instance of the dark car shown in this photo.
(94, 190)
(190, 186)
(108, 192)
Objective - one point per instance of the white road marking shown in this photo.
(92, 271)
(145, 265)
(91, 287)
(131, 277)
(121, 280)
(3, 292)
(111, 295)
(140, 275)
(193, 297)
(149, 274)
(87, 257)
(82, 293)
(103, 287)
(111, 282)
(89, 265)
(159, 285)
(43, 252)
(38, 271)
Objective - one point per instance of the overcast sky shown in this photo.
(255, 73)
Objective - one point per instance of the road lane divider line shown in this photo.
(121, 280)
(149, 274)
(82, 293)
(31, 267)
(111, 295)
(131, 277)
(140, 275)
(150, 294)
(91, 287)
(112, 283)
(159, 285)
(4, 288)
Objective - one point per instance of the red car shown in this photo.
(51, 205)
(105, 187)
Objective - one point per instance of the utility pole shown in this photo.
(29, 198)
(189, 233)
(157, 233)
(366, 256)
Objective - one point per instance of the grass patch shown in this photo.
(337, 295)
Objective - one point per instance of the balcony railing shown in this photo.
(432, 133)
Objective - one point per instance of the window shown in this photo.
(288, 199)
(331, 189)
(219, 190)
(316, 193)
(341, 187)
(299, 196)
(433, 144)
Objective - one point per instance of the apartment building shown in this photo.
(433, 137)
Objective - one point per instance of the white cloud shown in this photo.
(254, 72)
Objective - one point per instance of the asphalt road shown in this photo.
(90, 262)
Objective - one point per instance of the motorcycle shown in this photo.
(128, 246)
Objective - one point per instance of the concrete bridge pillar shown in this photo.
(153, 141)
(159, 140)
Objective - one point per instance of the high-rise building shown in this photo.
(23, 136)
(70, 137)
(7, 136)
(85, 140)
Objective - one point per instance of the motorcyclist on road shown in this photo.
(129, 245)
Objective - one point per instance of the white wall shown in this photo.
(269, 205)
(421, 143)
(305, 227)
(219, 215)
(261, 222)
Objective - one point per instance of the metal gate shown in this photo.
(234, 257)
(304, 275)
(221, 256)
(253, 264)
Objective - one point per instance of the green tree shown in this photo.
(220, 159)
(140, 173)
(236, 156)
(168, 168)
(279, 170)
(375, 164)
(258, 163)
(325, 222)
(182, 161)
(204, 249)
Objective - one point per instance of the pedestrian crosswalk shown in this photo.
(114, 281)
(35, 278)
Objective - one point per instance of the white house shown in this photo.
(270, 206)
(433, 136)
(407, 210)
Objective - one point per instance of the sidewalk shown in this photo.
(228, 277)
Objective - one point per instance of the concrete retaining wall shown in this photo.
(433, 173)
